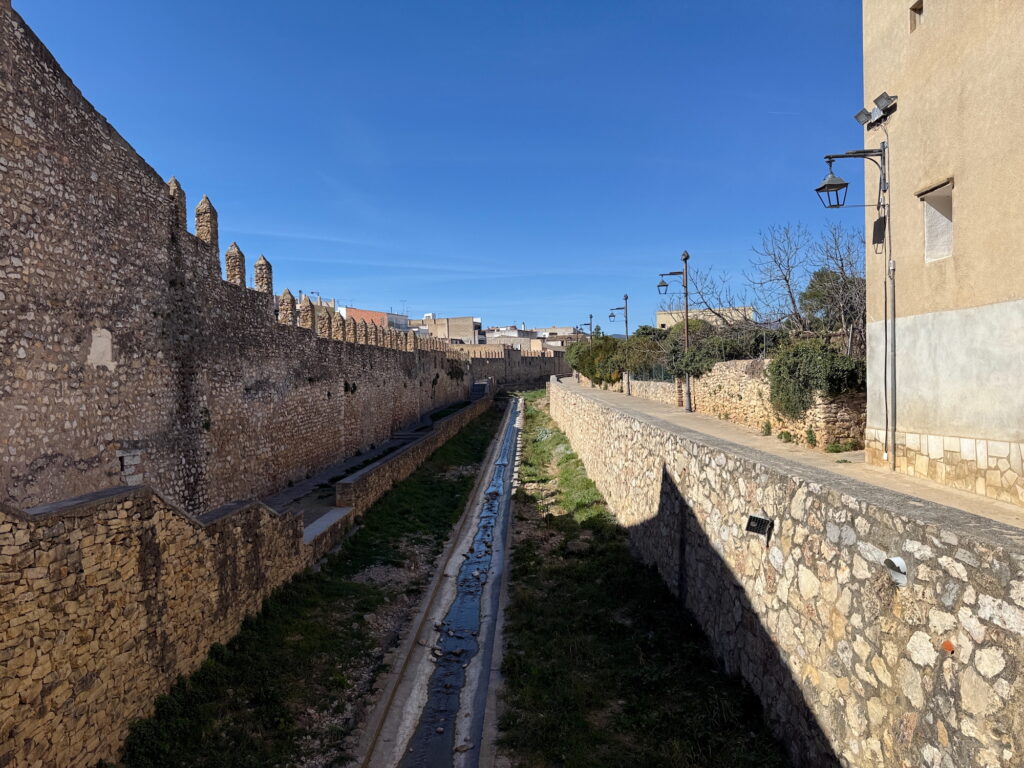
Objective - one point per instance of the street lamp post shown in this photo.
(832, 193)
(625, 316)
(663, 289)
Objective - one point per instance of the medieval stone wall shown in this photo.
(512, 368)
(125, 359)
(850, 669)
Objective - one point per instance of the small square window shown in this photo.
(938, 222)
(916, 14)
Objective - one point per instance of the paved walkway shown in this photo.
(856, 469)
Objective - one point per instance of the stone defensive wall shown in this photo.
(107, 598)
(126, 359)
(851, 669)
(512, 368)
(738, 391)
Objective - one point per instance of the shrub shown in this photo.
(800, 371)
(785, 436)
(766, 428)
(812, 439)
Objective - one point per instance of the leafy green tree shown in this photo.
(801, 370)
(832, 301)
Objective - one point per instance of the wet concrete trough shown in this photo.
(434, 714)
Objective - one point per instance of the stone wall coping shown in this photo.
(992, 532)
(81, 506)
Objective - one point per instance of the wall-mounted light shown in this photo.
(897, 570)
(762, 526)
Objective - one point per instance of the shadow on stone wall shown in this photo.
(675, 544)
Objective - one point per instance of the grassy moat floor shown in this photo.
(603, 667)
(291, 687)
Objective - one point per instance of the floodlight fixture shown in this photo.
(863, 117)
(883, 101)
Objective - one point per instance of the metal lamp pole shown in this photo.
(832, 193)
(625, 316)
(663, 288)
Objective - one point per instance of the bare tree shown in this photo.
(779, 273)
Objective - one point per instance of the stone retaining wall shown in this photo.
(738, 391)
(106, 599)
(361, 489)
(850, 669)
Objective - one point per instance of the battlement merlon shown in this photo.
(263, 274)
(206, 223)
(234, 265)
(177, 195)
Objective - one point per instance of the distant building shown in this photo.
(555, 330)
(509, 336)
(457, 330)
(718, 316)
(375, 317)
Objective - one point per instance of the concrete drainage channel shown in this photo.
(437, 705)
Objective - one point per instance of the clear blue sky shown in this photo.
(526, 160)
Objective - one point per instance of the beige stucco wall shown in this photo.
(960, 114)
(959, 335)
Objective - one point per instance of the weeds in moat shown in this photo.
(603, 667)
(243, 707)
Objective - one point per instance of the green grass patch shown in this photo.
(603, 667)
(243, 707)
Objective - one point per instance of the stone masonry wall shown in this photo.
(361, 489)
(738, 391)
(512, 368)
(850, 669)
(667, 392)
(106, 599)
(126, 359)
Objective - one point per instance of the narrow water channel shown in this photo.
(432, 744)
